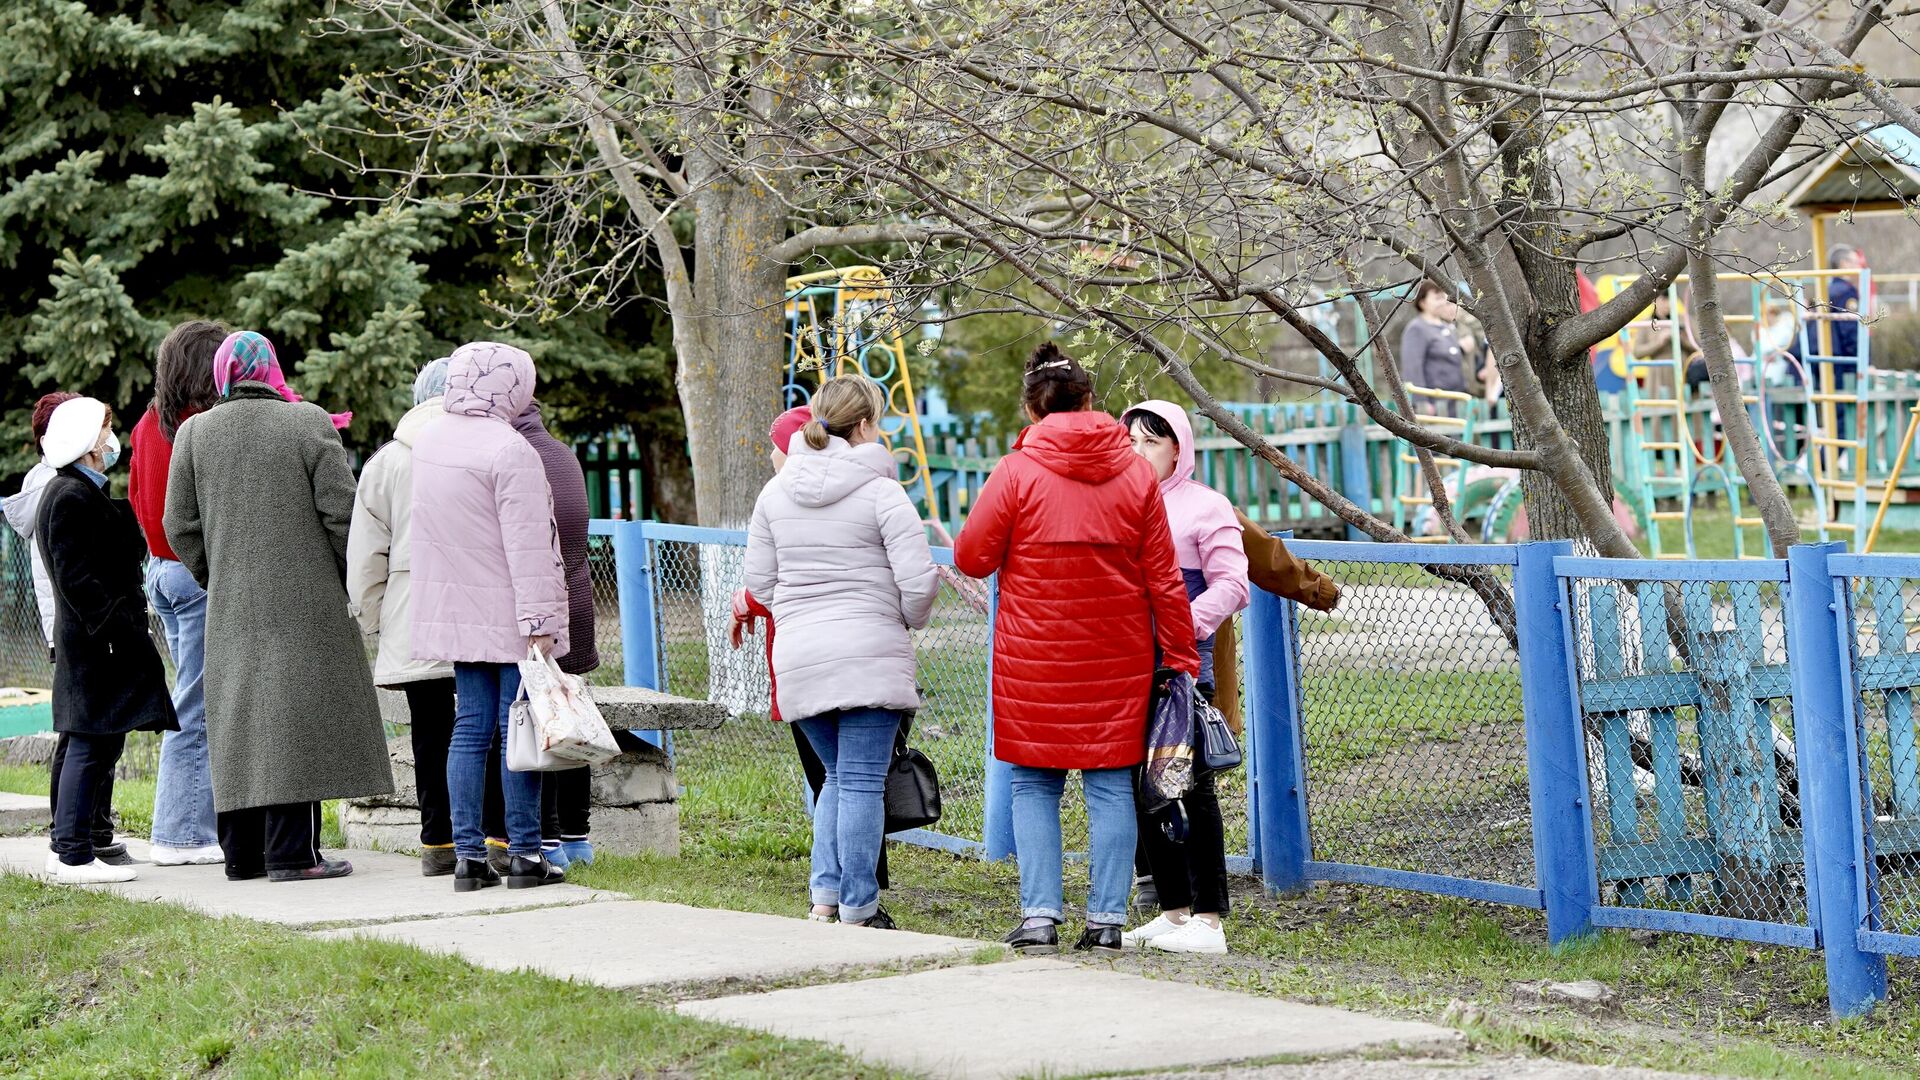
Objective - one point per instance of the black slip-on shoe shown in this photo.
(471, 874)
(525, 873)
(1042, 940)
(1100, 939)
(323, 870)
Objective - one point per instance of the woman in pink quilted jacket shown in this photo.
(488, 584)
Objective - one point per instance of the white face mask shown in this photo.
(109, 451)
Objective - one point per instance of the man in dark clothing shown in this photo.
(1843, 298)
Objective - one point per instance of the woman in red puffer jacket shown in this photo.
(1072, 522)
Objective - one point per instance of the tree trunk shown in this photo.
(729, 366)
(1576, 402)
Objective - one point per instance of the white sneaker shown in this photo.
(1192, 936)
(1159, 927)
(204, 855)
(92, 872)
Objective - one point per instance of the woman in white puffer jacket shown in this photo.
(838, 554)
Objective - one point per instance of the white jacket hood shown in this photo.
(417, 419)
(824, 477)
(23, 510)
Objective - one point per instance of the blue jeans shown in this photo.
(183, 796)
(850, 816)
(1036, 841)
(483, 693)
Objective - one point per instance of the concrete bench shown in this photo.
(634, 796)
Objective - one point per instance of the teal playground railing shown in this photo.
(1723, 748)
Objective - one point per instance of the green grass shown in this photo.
(92, 985)
(1713, 532)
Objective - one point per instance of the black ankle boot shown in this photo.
(525, 873)
(1100, 939)
(1042, 940)
(471, 874)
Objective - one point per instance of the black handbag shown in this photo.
(913, 790)
(1214, 747)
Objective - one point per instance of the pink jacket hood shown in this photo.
(1206, 532)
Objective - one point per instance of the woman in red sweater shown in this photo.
(183, 821)
(1072, 522)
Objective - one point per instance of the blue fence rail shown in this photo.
(1723, 748)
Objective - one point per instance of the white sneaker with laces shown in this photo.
(204, 855)
(1160, 926)
(1193, 936)
(93, 872)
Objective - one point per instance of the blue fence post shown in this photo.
(1356, 480)
(1276, 801)
(639, 622)
(1819, 639)
(997, 830)
(1556, 747)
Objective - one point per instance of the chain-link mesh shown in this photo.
(752, 760)
(23, 648)
(1688, 713)
(606, 613)
(1414, 740)
(1885, 648)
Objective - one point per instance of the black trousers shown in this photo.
(1191, 874)
(430, 707)
(285, 836)
(816, 773)
(102, 830)
(566, 812)
(83, 787)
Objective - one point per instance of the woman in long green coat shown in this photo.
(259, 497)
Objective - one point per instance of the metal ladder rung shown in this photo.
(1822, 440)
(1441, 539)
(1645, 445)
(1439, 459)
(1749, 523)
(1673, 556)
(1668, 515)
(1657, 403)
(1417, 500)
(1838, 399)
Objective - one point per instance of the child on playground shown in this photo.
(837, 553)
(1190, 878)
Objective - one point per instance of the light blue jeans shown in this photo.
(1036, 841)
(482, 695)
(183, 797)
(850, 816)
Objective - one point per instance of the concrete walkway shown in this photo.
(972, 1015)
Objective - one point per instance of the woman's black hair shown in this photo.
(1055, 382)
(1155, 424)
(1425, 289)
(183, 373)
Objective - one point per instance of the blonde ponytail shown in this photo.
(840, 406)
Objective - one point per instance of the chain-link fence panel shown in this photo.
(607, 638)
(1688, 716)
(1884, 613)
(23, 647)
(1412, 728)
(751, 761)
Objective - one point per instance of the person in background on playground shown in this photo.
(748, 612)
(22, 511)
(489, 589)
(565, 813)
(837, 553)
(259, 499)
(1843, 305)
(1190, 877)
(185, 829)
(1073, 522)
(107, 677)
(1430, 355)
(380, 590)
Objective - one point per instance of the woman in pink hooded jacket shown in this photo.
(1191, 877)
(488, 584)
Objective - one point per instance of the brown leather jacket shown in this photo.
(1273, 568)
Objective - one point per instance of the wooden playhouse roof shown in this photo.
(1878, 168)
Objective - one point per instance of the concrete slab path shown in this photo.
(23, 813)
(641, 943)
(381, 888)
(1049, 1017)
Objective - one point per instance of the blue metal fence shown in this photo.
(1718, 748)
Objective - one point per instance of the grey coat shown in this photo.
(258, 502)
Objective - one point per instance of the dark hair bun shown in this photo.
(1055, 382)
